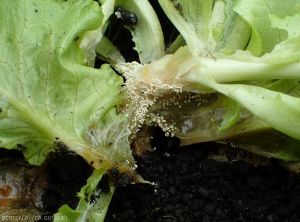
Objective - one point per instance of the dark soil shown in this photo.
(191, 188)
(66, 174)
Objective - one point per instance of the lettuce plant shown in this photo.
(232, 75)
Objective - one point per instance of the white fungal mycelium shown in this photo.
(142, 95)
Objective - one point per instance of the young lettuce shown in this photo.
(237, 75)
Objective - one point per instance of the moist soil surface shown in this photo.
(191, 187)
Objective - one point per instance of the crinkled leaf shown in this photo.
(91, 39)
(256, 13)
(47, 93)
(287, 50)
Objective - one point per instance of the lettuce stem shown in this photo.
(228, 70)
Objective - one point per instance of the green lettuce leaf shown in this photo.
(147, 33)
(208, 26)
(191, 18)
(108, 52)
(265, 36)
(48, 94)
(93, 203)
(229, 30)
(91, 38)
